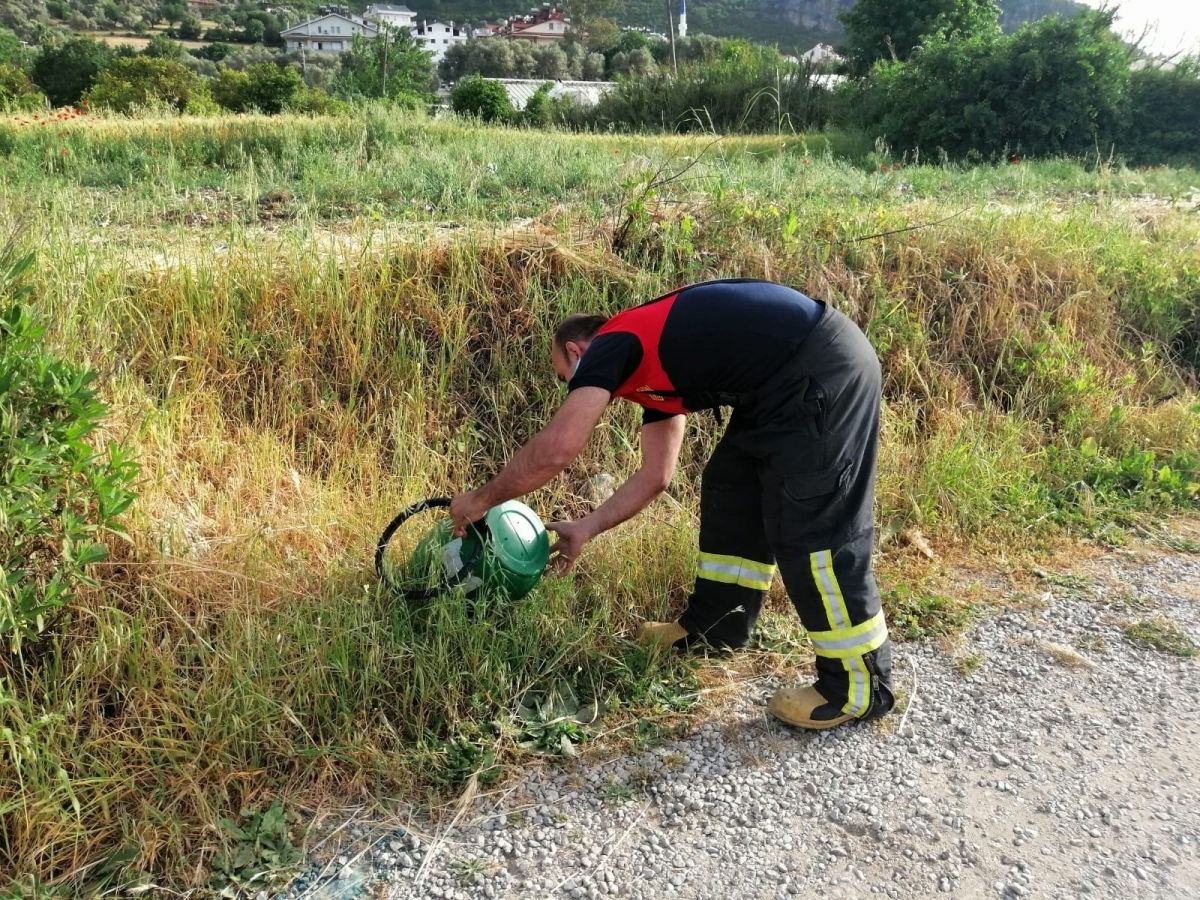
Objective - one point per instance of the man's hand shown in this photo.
(466, 509)
(571, 538)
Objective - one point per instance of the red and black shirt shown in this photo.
(716, 338)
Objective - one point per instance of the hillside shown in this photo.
(793, 24)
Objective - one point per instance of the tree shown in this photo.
(66, 71)
(641, 62)
(172, 11)
(162, 47)
(254, 32)
(487, 100)
(584, 12)
(391, 66)
(1164, 123)
(16, 90)
(603, 35)
(593, 67)
(886, 29)
(1057, 87)
(189, 29)
(524, 60)
(549, 62)
(144, 81)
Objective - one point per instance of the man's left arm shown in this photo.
(661, 442)
(549, 452)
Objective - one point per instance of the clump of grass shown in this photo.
(1161, 634)
(917, 615)
(968, 664)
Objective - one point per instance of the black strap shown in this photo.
(415, 593)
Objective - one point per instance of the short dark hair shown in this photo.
(578, 327)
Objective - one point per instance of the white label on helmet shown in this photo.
(452, 562)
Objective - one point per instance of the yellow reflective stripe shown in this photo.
(859, 695)
(767, 570)
(858, 699)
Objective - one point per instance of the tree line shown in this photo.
(930, 78)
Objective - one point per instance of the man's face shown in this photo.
(566, 358)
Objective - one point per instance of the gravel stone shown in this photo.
(1093, 795)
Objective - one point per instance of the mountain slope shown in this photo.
(793, 24)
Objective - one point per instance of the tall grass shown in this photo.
(361, 318)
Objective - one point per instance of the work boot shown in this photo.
(662, 635)
(807, 707)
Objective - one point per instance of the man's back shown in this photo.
(720, 336)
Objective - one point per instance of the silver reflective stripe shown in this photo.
(877, 633)
(707, 565)
(823, 568)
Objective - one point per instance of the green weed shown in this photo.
(915, 615)
(969, 664)
(1161, 634)
(259, 854)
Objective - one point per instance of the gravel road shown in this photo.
(1046, 755)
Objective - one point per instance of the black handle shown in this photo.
(381, 546)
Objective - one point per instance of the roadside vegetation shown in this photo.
(298, 325)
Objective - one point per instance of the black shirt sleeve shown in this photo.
(608, 362)
(650, 416)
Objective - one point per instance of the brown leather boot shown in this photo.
(662, 635)
(806, 707)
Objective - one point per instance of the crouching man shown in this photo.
(791, 483)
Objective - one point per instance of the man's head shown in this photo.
(571, 340)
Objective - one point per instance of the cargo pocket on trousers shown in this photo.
(813, 511)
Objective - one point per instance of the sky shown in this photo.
(1178, 23)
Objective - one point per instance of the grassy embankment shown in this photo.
(302, 325)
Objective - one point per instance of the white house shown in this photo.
(436, 37)
(821, 55)
(399, 17)
(541, 26)
(329, 33)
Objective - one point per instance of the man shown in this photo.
(791, 482)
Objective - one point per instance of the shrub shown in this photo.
(747, 88)
(484, 99)
(17, 91)
(12, 51)
(265, 87)
(539, 111)
(1057, 87)
(1164, 124)
(145, 81)
(58, 495)
(65, 72)
(316, 102)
